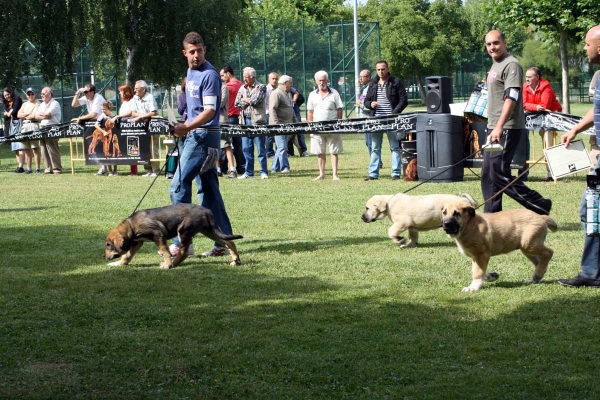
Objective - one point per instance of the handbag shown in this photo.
(15, 126)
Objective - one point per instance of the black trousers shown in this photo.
(238, 153)
(496, 174)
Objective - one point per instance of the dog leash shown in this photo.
(510, 183)
(160, 173)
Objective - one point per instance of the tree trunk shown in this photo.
(421, 88)
(564, 61)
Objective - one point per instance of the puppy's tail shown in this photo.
(229, 237)
(470, 199)
(552, 225)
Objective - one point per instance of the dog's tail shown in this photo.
(229, 237)
(470, 199)
(552, 225)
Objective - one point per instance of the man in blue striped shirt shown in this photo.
(386, 95)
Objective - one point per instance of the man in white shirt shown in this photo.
(144, 107)
(325, 104)
(91, 100)
(49, 113)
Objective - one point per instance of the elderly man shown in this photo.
(144, 107)
(364, 78)
(385, 95)
(282, 112)
(271, 85)
(506, 125)
(49, 113)
(251, 99)
(538, 96)
(325, 104)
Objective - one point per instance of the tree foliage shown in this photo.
(420, 38)
(142, 36)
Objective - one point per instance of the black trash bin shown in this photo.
(439, 146)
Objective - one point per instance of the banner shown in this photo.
(126, 143)
(397, 122)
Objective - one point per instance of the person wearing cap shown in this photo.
(30, 124)
(281, 112)
(93, 103)
(49, 113)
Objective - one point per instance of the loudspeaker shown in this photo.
(439, 94)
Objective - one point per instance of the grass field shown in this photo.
(324, 305)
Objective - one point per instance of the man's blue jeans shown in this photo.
(280, 161)
(590, 259)
(193, 154)
(248, 146)
(376, 142)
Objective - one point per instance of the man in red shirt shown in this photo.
(538, 96)
(233, 116)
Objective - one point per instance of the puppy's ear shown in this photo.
(470, 211)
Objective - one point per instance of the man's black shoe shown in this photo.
(370, 178)
(395, 178)
(544, 207)
(580, 281)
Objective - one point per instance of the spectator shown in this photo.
(104, 123)
(271, 85)
(49, 113)
(325, 104)
(538, 96)
(201, 147)
(251, 100)
(297, 139)
(364, 79)
(12, 124)
(594, 148)
(506, 125)
(143, 108)
(233, 118)
(93, 104)
(126, 94)
(281, 112)
(181, 101)
(27, 115)
(590, 259)
(385, 95)
(225, 142)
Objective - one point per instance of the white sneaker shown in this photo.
(148, 174)
(152, 175)
(285, 171)
(245, 177)
(264, 176)
(174, 250)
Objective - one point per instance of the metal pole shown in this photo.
(304, 61)
(264, 24)
(284, 54)
(356, 54)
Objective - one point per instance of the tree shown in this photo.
(419, 38)
(559, 20)
(12, 17)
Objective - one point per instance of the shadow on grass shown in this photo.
(27, 209)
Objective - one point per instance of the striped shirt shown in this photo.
(384, 107)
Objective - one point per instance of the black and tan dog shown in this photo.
(481, 236)
(161, 224)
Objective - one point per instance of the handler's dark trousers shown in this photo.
(496, 174)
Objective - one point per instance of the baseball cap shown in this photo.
(30, 89)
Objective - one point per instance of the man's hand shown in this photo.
(495, 135)
(373, 104)
(541, 108)
(180, 130)
(568, 137)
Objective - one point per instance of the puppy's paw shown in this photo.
(474, 286)
(408, 245)
(165, 265)
(532, 281)
(399, 240)
(115, 264)
(491, 277)
(469, 289)
(235, 263)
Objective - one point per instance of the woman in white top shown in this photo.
(27, 114)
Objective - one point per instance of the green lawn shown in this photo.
(324, 306)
